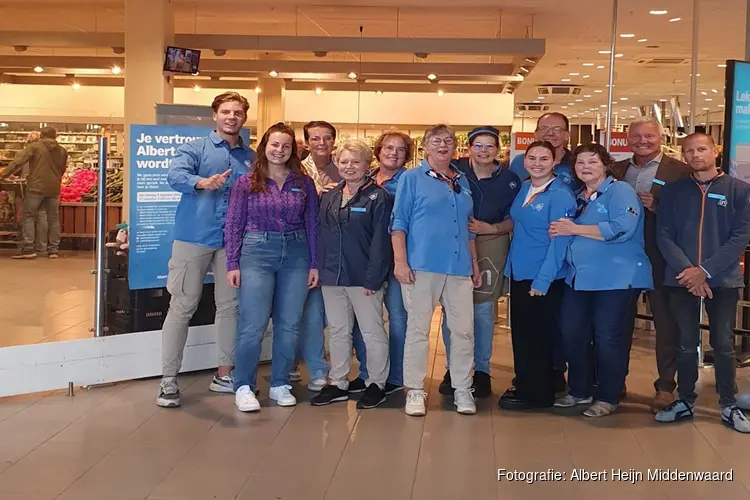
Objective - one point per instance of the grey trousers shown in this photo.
(344, 305)
(455, 293)
(40, 213)
(187, 272)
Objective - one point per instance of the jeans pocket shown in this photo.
(176, 277)
(253, 240)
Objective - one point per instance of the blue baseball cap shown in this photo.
(485, 130)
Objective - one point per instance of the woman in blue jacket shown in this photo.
(536, 267)
(608, 269)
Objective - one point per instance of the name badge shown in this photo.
(659, 182)
(296, 190)
(715, 196)
(359, 209)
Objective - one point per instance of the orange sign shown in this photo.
(618, 142)
(522, 140)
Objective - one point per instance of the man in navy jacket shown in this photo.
(703, 227)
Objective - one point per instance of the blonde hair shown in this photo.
(33, 137)
(356, 147)
(438, 129)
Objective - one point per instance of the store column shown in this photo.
(270, 103)
(149, 28)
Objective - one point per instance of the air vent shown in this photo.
(525, 106)
(558, 90)
(662, 61)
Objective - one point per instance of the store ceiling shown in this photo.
(574, 34)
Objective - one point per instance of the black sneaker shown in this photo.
(373, 397)
(392, 388)
(482, 385)
(329, 394)
(446, 386)
(357, 386)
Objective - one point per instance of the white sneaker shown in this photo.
(317, 385)
(569, 401)
(464, 401)
(736, 419)
(282, 395)
(415, 403)
(245, 399)
(295, 376)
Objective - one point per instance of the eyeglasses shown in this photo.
(437, 141)
(554, 130)
(479, 146)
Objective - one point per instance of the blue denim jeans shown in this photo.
(601, 316)
(722, 310)
(484, 329)
(274, 271)
(311, 344)
(394, 304)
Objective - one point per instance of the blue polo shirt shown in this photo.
(436, 221)
(391, 185)
(564, 170)
(619, 262)
(493, 195)
(201, 214)
(533, 254)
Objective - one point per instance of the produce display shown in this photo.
(114, 188)
(76, 183)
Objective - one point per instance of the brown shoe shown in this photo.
(661, 400)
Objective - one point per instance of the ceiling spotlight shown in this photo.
(421, 55)
(76, 86)
(116, 70)
(379, 92)
(675, 19)
(440, 93)
(352, 75)
(257, 90)
(586, 76)
(432, 76)
(627, 35)
(273, 73)
(197, 88)
(318, 91)
(320, 53)
(657, 12)
(38, 69)
(588, 64)
(642, 40)
(220, 52)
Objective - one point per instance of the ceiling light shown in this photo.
(441, 93)
(574, 74)
(657, 12)
(542, 97)
(352, 75)
(605, 51)
(709, 100)
(76, 86)
(318, 91)
(642, 40)
(523, 69)
(603, 106)
(634, 107)
(564, 107)
(600, 67)
(197, 88)
(598, 91)
(721, 65)
(116, 70)
(273, 73)
(38, 69)
(587, 95)
(586, 76)
(564, 79)
(571, 104)
(704, 93)
(537, 101)
(675, 19)
(579, 100)
(714, 91)
(721, 105)
(706, 109)
(619, 55)
(432, 76)
(588, 64)
(379, 92)
(530, 61)
(623, 98)
(664, 100)
(627, 35)
(257, 90)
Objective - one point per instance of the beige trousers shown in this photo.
(343, 305)
(455, 294)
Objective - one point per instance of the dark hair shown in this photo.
(260, 167)
(596, 149)
(229, 97)
(318, 123)
(48, 133)
(387, 135)
(555, 114)
(542, 144)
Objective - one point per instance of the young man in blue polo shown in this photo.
(703, 227)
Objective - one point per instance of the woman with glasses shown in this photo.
(607, 270)
(436, 261)
(493, 190)
(272, 244)
(355, 260)
(536, 267)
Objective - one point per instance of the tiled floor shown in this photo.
(113, 443)
(46, 300)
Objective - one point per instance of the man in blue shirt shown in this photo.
(203, 171)
(555, 129)
(436, 260)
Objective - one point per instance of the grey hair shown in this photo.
(438, 129)
(646, 120)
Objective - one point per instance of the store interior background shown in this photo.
(62, 63)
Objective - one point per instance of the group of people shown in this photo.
(329, 241)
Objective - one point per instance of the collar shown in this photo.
(599, 192)
(374, 173)
(216, 139)
(495, 171)
(425, 165)
(309, 162)
(655, 161)
(710, 181)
